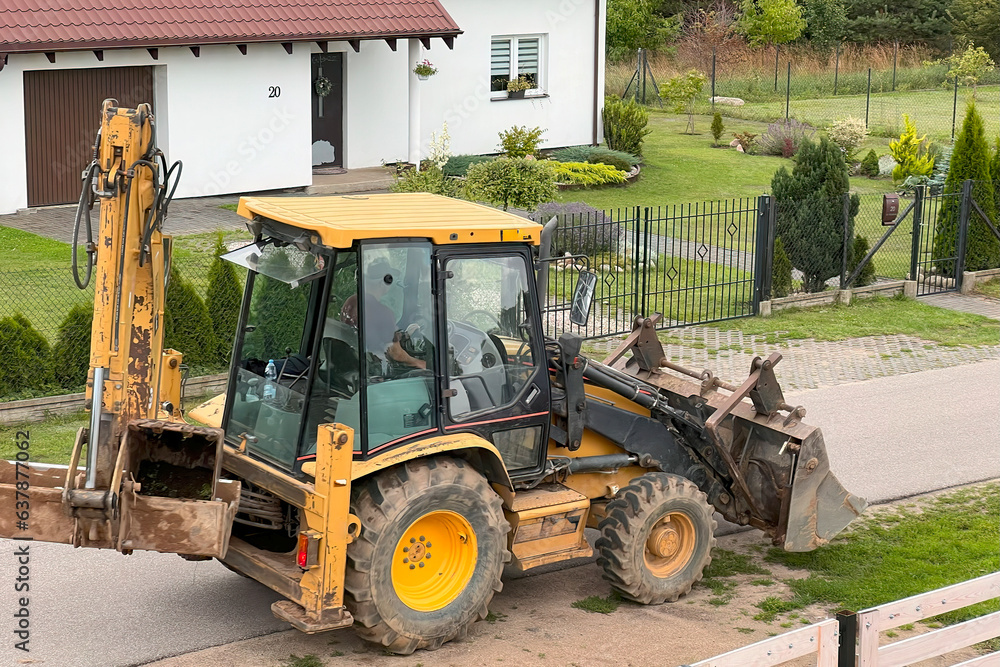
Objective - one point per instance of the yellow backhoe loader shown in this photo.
(396, 427)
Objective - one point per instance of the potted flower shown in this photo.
(424, 70)
(516, 87)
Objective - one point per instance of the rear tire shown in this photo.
(432, 548)
(656, 538)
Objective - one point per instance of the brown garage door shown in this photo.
(61, 119)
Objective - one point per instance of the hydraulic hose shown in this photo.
(83, 208)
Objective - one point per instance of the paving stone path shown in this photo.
(980, 305)
(808, 364)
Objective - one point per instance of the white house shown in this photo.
(238, 86)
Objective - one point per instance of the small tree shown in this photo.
(187, 326)
(519, 182)
(770, 21)
(869, 166)
(781, 271)
(810, 218)
(223, 301)
(683, 90)
(969, 66)
(970, 159)
(71, 354)
(636, 24)
(717, 127)
(624, 125)
(826, 22)
(519, 141)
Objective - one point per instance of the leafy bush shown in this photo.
(848, 133)
(519, 182)
(26, 360)
(223, 301)
(969, 66)
(770, 21)
(624, 125)
(457, 165)
(581, 229)
(634, 24)
(746, 140)
(431, 179)
(869, 166)
(910, 153)
(519, 141)
(611, 159)
(584, 154)
(71, 354)
(717, 127)
(187, 326)
(781, 271)
(784, 138)
(810, 217)
(858, 252)
(970, 159)
(587, 174)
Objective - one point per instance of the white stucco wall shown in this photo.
(213, 113)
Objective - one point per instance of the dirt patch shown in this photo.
(158, 478)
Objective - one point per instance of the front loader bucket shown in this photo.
(169, 496)
(820, 507)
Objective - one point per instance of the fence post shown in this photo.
(868, 96)
(895, 52)
(918, 216)
(713, 80)
(763, 251)
(963, 231)
(954, 109)
(777, 50)
(636, 259)
(638, 67)
(847, 622)
(645, 263)
(836, 70)
(788, 88)
(847, 241)
(643, 52)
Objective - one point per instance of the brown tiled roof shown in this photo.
(44, 25)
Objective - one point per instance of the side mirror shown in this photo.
(583, 298)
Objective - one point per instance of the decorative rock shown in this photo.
(728, 101)
(734, 143)
(739, 148)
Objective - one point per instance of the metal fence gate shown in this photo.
(694, 263)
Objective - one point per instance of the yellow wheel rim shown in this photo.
(670, 545)
(434, 561)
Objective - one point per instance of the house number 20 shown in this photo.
(274, 91)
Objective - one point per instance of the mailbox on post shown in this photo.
(890, 209)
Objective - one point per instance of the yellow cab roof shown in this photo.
(340, 221)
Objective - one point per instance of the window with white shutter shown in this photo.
(517, 56)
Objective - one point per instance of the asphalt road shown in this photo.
(887, 438)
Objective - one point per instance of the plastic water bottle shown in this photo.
(270, 375)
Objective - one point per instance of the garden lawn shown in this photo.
(874, 317)
(51, 440)
(680, 168)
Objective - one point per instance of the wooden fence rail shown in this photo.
(819, 638)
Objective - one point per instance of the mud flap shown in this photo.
(820, 507)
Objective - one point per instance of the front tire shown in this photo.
(656, 538)
(429, 558)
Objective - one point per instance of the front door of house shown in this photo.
(328, 110)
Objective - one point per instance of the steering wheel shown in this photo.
(493, 319)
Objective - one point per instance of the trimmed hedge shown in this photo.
(223, 301)
(71, 355)
(26, 361)
(187, 325)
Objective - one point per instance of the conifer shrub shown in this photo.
(995, 175)
(611, 159)
(717, 127)
(869, 165)
(223, 301)
(781, 271)
(25, 357)
(278, 313)
(594, 154)
(910, 153)
(810, 220)
(970, 159)
(187, 326)
(458, 165)
(624, 125)
(71, 354)
(586, 174)
(859, 249)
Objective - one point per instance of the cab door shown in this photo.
(494, 371)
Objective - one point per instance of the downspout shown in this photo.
(597, 64)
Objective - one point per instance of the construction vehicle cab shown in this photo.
(397, 338)
(397, 427)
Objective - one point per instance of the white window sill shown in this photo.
(528, 96)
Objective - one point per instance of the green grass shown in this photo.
(51, 440)
(899, 552)
(599, 605)
(873, 317)
(718, 575)
(990, 288)
(680, 168)
(309, 660)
